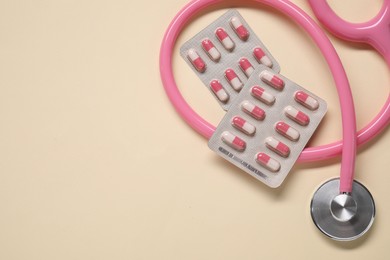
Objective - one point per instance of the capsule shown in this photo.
(261, 57)
(225, 39)
(211, 50)
(253, 110)
(219, 91)
(246, 66)
(233, 79)
(233, 141)
(266, 161)
(277, 146)
(242, 125)
(272, 80)
(196, 60)
(287, 131)
(262, 95)
(297, 116)
(240, 29)
(306, 100)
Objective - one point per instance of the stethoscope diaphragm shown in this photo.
(342, 216)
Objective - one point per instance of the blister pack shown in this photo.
(267, 126)
(224, 55)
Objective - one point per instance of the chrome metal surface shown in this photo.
(343, 207)
(342, 217)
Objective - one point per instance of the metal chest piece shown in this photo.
(342, 217)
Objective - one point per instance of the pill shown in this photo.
(306, 100)
(240, 29)
(219, 91)
(272, 80)
(211, 50)
(268, 162)
(246, 66)
(242, 125)
(297, 116)
(233, 79)
(225, 39)
(196, 60)
(262, 95)
(261, 57)
(287, 131)
(253, 110)
(233, 141)
(277, 146)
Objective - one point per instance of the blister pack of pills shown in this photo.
(267, 126)
(225, 54)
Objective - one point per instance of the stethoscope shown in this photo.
(341, 208)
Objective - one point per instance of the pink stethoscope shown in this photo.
(341, 208)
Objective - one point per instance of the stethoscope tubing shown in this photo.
(374, 32)
(347, 147)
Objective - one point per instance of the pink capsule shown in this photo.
(246, 66)
(233, 141)
(269, 163)
(225, 39)
(297, 116)
(287, 131)
(261, 58)
(233, 79)
(252, 110)
(262, 95)
(240, 29)
(306, 100)
(219, 91)
(211, 50)
(196, 60)
(277, 146)
(272, 80)
(242, 125)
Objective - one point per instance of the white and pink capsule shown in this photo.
(243, 125)
(266, 161)
(272, 80)
(246, 66)
(233, 141)
(233, 79)
(277, 146)
(239, 28)
(253, 110)
(260, 94)
(306, 100)
(219, 91)
(261, 57)
(196, 60)
(225, 39)
(211, 50)
(287, 131)
(297, 116)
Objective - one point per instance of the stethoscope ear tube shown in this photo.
(374, 32)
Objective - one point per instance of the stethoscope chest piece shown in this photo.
(342, 217)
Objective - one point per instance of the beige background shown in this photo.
(96, 164)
